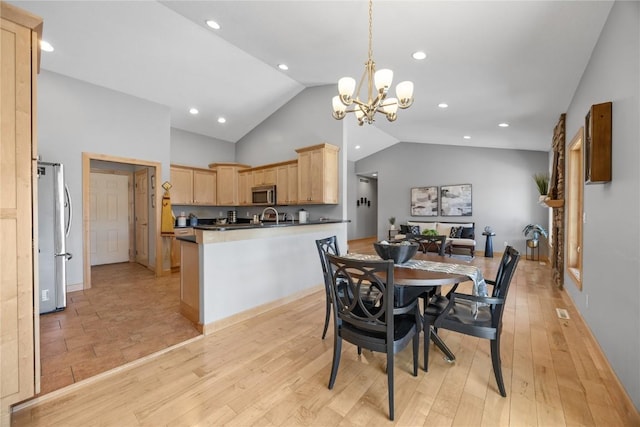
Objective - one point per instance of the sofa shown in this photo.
(460, 235)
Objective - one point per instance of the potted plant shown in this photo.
(392, 222)
(542, 182)
(534, 231)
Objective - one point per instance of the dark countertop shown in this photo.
(247, 226)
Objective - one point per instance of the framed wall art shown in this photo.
(455, 200)
(424, 201)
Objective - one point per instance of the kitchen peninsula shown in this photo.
(234, 272)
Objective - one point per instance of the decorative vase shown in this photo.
(392, 227)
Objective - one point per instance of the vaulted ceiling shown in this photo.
(517, 62)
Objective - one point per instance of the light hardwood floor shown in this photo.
(273, 370)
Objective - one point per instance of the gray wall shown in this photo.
(504, 194)
(304, 121)
(611, 234)
(366, 216)
(191, 149)
(76, 117)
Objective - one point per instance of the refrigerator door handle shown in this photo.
(68, 197)
(67, 255)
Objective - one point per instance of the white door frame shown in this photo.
(86, 210)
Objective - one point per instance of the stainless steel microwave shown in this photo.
(263, 195)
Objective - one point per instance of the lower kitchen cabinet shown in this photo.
(189, 281)
(175, 245)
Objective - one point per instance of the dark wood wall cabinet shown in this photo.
(598, 144)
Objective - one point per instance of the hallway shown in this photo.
(126, 315)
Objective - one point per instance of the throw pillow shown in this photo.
(467, 233)
(414, 229)
(455, 232)
(404, 229)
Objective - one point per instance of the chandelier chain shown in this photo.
(370, 30)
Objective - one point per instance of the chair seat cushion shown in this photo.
(461, 242)
(403, 324)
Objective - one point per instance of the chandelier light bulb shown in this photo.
(404, 91)
(339, 109)
(383, 79)
(346, 87)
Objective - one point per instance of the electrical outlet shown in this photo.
(220, 213)
(45, 295)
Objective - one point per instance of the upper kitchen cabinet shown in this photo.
(318, 174)
(19, 330)
(192, 186)
(264, 176)
(287, 183)
(245, 182)
(227, 182)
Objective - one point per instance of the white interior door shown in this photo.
(109, 197)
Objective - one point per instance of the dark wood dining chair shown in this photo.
(328, 245)
(476, 315)
(380, 326)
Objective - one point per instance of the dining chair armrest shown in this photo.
(475, 298)
(406, 308)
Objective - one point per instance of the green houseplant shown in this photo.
(534, 231)
(542, 182)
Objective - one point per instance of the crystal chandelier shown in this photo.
(381, 79)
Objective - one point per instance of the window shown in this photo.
(574, 205)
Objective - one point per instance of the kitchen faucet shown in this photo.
(269, 208)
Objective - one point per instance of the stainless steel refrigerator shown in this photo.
(54, 220)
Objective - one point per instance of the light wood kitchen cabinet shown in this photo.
(204, 187)
(245, 182)
(175, 245)
(227, 182)
(181, 186)
(318, 174)
(190, 282)
(192, 186)
(264, 176)
(19, 328)
(287, 183)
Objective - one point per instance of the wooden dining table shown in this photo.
(416, 282)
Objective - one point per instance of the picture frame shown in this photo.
(424, 201)
(456, 200)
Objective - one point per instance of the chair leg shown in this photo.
(326, 318)
(427, 339)
(497, 366)
(390, 382)
(416, 352)
(337, 349)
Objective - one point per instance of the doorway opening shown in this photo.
(142, 229)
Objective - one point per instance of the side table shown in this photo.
(392, 234)
(488, 246)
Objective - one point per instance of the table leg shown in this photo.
(442, 346)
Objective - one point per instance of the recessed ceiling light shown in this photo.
(213, 24)
(467, 137)
(283, 67)
(357, 147)
(443, 105)
(222, 120)
(46, 46)
(193, 111)
(504, 125)
(419, 55)
(374, 174)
